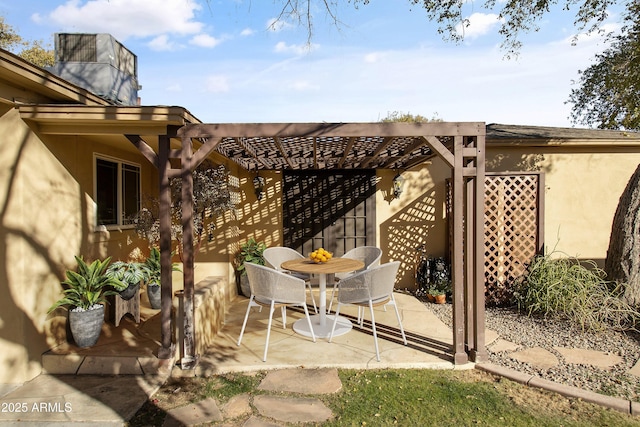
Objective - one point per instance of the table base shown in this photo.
(342, 327)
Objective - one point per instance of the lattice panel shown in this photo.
(511, 225)
(324, 152)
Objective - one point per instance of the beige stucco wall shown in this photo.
(417, 218)
(582, 190)
(42, 225)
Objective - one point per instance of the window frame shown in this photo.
(120, 191)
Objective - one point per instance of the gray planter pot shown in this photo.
(244, 286)
(154, 294)
(129, 292)
(86, 326)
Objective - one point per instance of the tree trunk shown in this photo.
(623, 256)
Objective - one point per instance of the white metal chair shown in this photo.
(372, 287)
(272, 288)
(275, 256)
(369, 255)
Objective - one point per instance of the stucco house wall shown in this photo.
(585, 173)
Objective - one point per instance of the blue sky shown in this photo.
(222, 62)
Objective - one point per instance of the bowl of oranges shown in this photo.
(320, 255)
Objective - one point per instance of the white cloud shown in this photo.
(37, 18)
(128, 18)
(205, 40)
(162, 43)
(479, 25)
(373, 57)
(217, 84)
(297, 49)
(277, 25)
(303, 86)
(247, 32)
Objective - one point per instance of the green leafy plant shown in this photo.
(251, 251)
(89, 285)
(439, 276)
(436, 290)
(568, 288)
(131, 273)
(153, 266)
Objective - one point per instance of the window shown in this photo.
(117, 191)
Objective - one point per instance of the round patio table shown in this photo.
(322, 328)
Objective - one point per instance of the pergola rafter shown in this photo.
(308, 146)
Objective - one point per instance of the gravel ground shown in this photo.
(534, 332)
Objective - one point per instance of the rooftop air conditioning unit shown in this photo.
(98, 63)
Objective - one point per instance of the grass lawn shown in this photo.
(406, 398)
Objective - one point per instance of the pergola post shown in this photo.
(479, 352)
(189, 359)
(166, 350)
(457, 265)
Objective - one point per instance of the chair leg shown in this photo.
(313, 299)
(404, 338)
(360, 316)
(244, 323)
(333, 294)
(373, 327)
(306, 313)
(283, 310)
(266, 344)
(335, 321)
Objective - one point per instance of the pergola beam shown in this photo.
(346, 152)
(286, 157)
(386, 142)
(252, 130)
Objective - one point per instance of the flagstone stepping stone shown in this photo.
(490, 336)
(636, 369)
(503, 345)
(580, 356)
(537, 356)
(305, 381)
(254, 421)
(205, 411)
(237, 406)
(292, 409)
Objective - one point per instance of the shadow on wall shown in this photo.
(260, 218)
(420, 220)
(42, 213)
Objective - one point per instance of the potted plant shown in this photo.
(436, 294)
(251, 251)
(130, 273)
(153, 266)
(85, 295)
(439, 280)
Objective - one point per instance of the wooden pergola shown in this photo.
(309, 146)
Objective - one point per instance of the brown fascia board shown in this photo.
(84, 119)
(499, 135)
(25, 74)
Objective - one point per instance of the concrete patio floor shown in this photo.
(429, 341)
(131, 348)
(107, 383)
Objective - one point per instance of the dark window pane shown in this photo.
(107, 192)
(130, 192)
